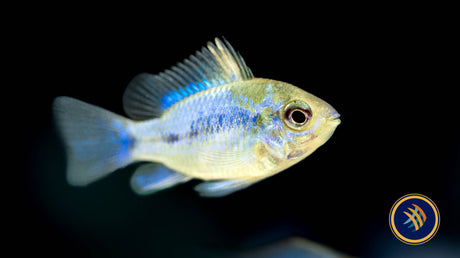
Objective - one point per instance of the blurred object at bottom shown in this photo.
(292, 247)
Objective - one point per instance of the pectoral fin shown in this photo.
(223, 187)
(154, 177)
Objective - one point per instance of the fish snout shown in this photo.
(333, 116)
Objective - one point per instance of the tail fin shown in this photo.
(96, 140)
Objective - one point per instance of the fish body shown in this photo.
(206, 118)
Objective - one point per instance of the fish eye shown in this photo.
(297, 114)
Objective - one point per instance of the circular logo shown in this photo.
(414, 219)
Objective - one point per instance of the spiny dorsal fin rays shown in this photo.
(241, 68)
(229, 60)
(148, 96)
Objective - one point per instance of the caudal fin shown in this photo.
(96, 140)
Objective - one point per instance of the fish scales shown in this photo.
(207, 118)
(214, 121)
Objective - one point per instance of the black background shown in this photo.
(390, 75)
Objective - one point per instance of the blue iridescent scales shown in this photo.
(216, 120)
(207, 117)
(202, 118)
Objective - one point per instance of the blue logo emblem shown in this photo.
(414, 219)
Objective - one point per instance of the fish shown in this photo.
(206, 118)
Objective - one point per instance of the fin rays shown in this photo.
(148, 96)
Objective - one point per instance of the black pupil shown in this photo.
(298, 116)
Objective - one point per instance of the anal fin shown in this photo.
(154, 177)
(224, 187)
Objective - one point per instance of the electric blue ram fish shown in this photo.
(207, 117)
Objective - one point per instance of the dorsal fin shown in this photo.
(148, 96)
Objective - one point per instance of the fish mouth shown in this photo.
(335, 118)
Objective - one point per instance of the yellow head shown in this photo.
(296, 129)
